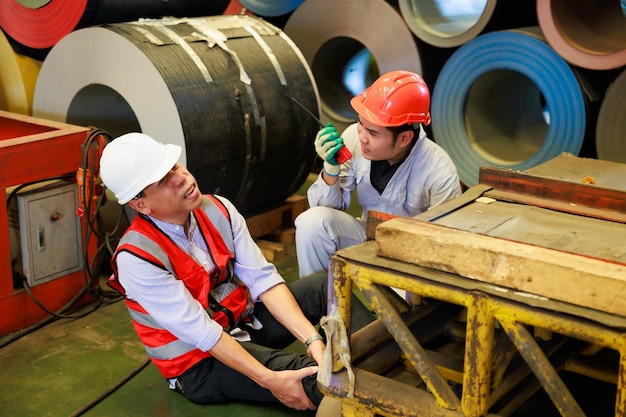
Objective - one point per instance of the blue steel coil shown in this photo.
(524, 123)
(271, 8)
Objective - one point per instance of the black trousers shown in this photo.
(211, 382)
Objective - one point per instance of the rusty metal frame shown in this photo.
(485, 312)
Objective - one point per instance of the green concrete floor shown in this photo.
(70, 367)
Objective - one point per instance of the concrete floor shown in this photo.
(95, 366)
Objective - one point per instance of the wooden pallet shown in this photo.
(274, 229)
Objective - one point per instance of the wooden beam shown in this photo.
(374, 218)
(562, 206)
(284, 215)
(580, 280)
(272, 251)
(578, 193)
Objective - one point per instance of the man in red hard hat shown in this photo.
(395, 169)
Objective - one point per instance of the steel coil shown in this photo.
(611, 123)
(507, 99)
(351, 41)
(590, 34)
(18, 75)
(218, 86)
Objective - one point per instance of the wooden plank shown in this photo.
(561, 206)
(272, 251)
(582, 235)
(582, 194)
(263, 223)
(374, 218)
(297, 205)
(284, 234)
(363, 258)
(571, 168)
(579, 280)
(284, 215)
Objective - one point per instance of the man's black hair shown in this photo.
(396, 130)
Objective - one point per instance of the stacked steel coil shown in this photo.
(513, 83)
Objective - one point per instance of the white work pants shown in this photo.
(320, 231)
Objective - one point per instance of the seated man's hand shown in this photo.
(287, 387)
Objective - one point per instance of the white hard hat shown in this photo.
(133, 161)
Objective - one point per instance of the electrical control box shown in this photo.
(47, 244)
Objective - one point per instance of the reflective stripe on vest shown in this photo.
(144, 319)
(172, 356)
(220, 220)
(135, 238)
(168, 351)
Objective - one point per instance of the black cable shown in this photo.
(86, 180)
(20, 187)
(110, 390)
(60, 314)
(91, 148)
(12, 337)
(96, 141)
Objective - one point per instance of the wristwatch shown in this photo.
(312, 339)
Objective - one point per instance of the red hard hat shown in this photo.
(394, 99)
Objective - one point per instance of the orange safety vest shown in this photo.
(221, 294)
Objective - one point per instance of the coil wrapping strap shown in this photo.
(337, 353)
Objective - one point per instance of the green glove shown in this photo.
(327, 144)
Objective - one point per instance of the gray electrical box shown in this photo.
(49, 232)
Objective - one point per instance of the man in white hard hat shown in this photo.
(212, 313)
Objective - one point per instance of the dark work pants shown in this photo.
(210, 382)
